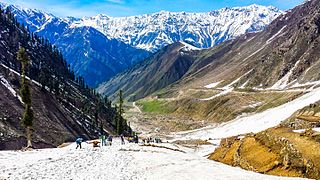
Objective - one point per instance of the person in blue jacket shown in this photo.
(78, 142)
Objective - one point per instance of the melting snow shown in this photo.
(10, 88)
(226, 89)
(252, 123)
(283, 82)
(303, 130)
(253, 105)
(268, 42)
(274, 36)
(212, 85)
(244, 85)
(15, 72)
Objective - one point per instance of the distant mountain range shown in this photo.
(154, 31)
(99, 47)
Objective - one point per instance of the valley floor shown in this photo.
(130, 161)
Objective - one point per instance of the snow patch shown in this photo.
(189, 47)
(212, 85)
(254, 105)
(226, 89)
(10, 88)
(304, 130)
(274, 36)
(283, 82)
(218, 95)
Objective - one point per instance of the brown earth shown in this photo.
(276, 151)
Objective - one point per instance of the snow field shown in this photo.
(129, 161)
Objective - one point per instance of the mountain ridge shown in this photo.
(210, 28)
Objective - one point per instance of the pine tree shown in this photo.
(28, 116)
(119, 120)
(120, 103)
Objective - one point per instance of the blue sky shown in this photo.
(115, 8)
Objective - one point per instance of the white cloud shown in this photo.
(116, 1)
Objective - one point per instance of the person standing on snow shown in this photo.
(122, 139)
(103, 140)
(136, 139)
(110, 140)
(78, 142)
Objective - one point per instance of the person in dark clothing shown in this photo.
(78, 142)
(136, 139)
(110, 140)
(122, 139)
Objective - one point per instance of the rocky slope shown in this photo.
(160, 70)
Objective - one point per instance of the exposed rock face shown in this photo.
(275, 151)
(306, 118)
(287, 150)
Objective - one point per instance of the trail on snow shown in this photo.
(129, 161)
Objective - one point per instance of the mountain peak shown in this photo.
(28, 11)
(102, 16)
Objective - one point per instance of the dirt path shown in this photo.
(136, 107)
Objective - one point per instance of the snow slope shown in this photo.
(252, 123)
(130, 161)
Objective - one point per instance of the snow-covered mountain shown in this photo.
(124, 41)
(203, 30)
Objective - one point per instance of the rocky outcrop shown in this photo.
(275, 151)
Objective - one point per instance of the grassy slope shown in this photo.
(156, 106)
(220, 109)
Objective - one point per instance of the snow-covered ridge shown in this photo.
(202, 30)
(154, 31)
(34, 18)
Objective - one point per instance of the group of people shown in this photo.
(104, 141)
(133, 139)
(152, 140)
